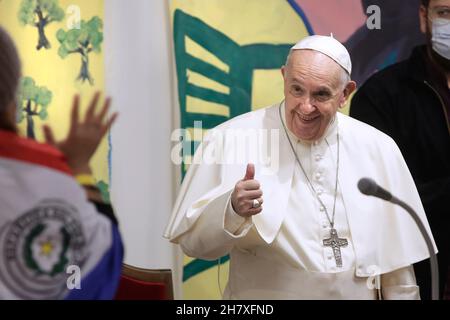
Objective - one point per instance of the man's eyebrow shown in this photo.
(297, 80)
(323, 88)
(440, 7)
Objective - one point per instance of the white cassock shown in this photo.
(279, 253)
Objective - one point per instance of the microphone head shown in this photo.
(367, 186)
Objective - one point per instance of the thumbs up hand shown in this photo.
(246, 198)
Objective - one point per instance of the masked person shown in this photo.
(410, 101)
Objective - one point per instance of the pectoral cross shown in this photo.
(336, 243)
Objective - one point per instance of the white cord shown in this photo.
(218, 278)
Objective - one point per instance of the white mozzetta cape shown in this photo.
(383, 234)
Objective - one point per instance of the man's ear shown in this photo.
(348, 90)
(283, 71)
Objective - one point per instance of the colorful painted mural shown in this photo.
(59, 42)
(228, 55)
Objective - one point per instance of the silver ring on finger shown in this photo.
(256, 204)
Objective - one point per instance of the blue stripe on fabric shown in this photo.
(302, 15)
(102, 282)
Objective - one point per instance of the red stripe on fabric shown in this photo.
(14, 147)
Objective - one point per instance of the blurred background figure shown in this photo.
(410, 101)
(373, 50)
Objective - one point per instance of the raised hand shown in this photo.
(84, 136)
(245, 193)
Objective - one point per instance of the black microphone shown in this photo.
(370, 188)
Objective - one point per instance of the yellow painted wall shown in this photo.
(59, 75)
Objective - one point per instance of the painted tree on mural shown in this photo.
(83, 41)
(33, 101)
(39, 14)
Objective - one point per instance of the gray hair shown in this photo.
(345, 78)
(9, 70)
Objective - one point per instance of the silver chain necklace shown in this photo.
(334, 241)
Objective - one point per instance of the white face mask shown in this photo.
(441, 37)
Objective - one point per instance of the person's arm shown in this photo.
(94, 195)
(79, 146)
(400, 285)
(234, 223)
(224, 220)
(216, 231)
(102, 268)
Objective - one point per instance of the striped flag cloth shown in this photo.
(53, 242)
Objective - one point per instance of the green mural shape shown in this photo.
(39, 14)
(242, 61)
(33, 101)
(83, 41)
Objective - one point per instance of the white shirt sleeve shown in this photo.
(234, 223)
(208, 238)
(400, 285)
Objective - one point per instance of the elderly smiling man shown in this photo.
(304, 231)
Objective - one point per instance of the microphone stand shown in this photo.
(433, 259)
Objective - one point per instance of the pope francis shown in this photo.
(294, 223)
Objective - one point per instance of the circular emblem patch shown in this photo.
(37, 249)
